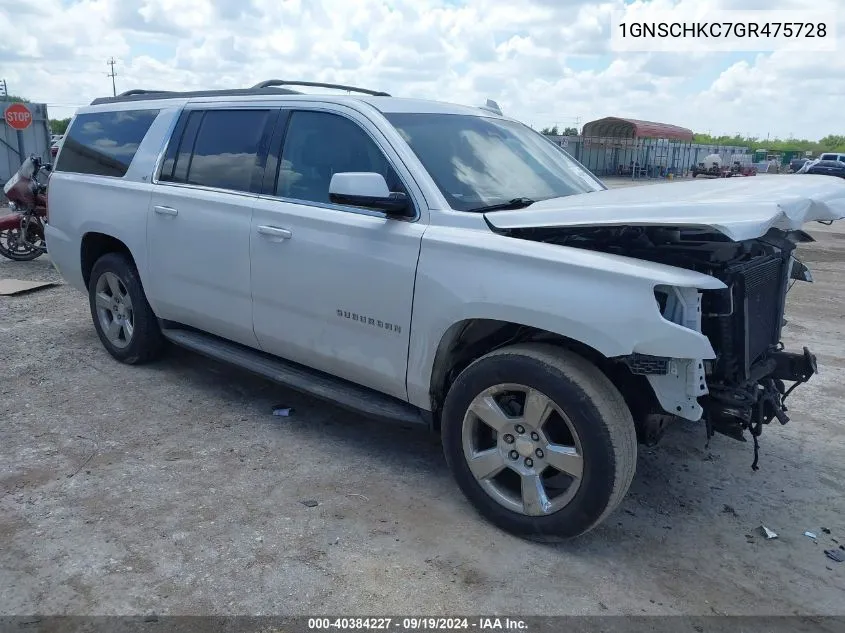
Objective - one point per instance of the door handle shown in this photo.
(274, 231)
(165, 210)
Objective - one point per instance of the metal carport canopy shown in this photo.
(614, 127)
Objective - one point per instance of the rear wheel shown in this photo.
(539, 440)
(124, 321)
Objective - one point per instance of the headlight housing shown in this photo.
(679, 305)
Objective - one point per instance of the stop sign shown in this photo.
(18, 116)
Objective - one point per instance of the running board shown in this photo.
(341, 392)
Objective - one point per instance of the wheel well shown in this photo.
(469, 340)
(94, 246)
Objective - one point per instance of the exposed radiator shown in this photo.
(746, 320)
(763, 284)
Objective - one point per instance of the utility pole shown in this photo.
(4, 91)
(111, 63)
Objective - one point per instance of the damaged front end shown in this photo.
(744, 386)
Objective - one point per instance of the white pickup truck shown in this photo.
(431, 263)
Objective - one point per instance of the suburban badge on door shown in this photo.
(365, 320)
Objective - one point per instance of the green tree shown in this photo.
(17, 99)
(59, 126)
(833, 142)
(570, 131)
(550, 131)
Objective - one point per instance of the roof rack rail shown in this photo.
(270, 83)
(140, 91)
(146, 95)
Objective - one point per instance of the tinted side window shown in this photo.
(104, 143)
(175, 166)
(225, 153)
(318, 145)
(166, 172)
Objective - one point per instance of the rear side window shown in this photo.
(219, 148)
(175, 167)
(104, 143)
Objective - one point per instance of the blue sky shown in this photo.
(544, 61)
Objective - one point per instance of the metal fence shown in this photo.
(645, 158)
(15, 145)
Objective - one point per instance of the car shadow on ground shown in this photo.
(679, 483)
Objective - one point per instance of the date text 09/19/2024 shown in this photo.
(481, 624)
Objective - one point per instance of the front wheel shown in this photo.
(539, 440)
(17, 249)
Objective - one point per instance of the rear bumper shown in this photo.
(65, 255)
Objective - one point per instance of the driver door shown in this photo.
(333, 285)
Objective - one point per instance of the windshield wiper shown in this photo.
(515, 203)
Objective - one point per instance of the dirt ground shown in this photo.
(171, 488)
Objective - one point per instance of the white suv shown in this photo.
(425, 262)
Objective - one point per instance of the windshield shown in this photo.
(479, 162)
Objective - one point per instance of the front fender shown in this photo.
(603, 301)
(10, 221)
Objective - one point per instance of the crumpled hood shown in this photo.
(740, 207)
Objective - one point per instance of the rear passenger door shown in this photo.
(198, 227)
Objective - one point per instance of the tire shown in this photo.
(587, 416)
(26, 255)
(115, 275)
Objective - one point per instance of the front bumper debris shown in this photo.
(793, 366)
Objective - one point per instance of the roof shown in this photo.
(396, 105)
(386, 105)
(614, 127)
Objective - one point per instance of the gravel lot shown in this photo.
(172, 489)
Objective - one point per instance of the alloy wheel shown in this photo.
(522, 449)
(114, 310)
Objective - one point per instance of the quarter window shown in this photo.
(104, 143)
(319, 145)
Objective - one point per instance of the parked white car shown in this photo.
(433, 263)
(833, 156)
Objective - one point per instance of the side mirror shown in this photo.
(369, 190)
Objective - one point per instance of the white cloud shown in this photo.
(544, 61)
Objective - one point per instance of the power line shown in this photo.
(111, 63)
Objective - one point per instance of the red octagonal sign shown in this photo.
(18, 116)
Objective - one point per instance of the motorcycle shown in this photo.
(22, 231)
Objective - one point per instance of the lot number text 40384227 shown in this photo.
(481, 624)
